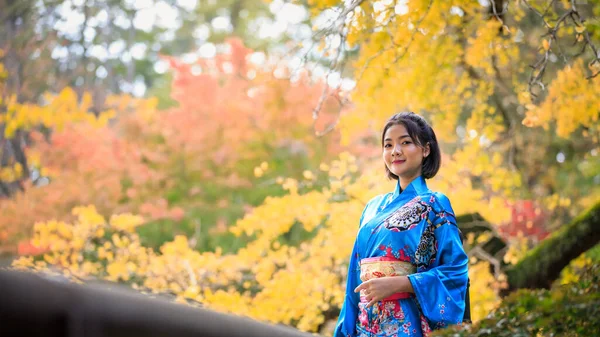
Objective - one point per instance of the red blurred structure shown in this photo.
(527, 218)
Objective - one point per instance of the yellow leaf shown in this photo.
(308, 175)
(546, 45)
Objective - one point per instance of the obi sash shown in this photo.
(382, 266)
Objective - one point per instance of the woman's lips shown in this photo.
(398, 161)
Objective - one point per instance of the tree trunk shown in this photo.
(236, 8)
(544, 263)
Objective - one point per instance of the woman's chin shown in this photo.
(406, 174)
(399, 173)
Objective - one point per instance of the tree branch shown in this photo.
(539, 68)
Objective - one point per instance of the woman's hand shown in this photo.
(377, 289)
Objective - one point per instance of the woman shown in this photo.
(408, 270)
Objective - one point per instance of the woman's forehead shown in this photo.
(396, 130)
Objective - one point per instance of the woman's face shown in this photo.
(401, 155)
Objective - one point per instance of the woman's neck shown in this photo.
(404, 182)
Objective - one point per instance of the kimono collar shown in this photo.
(416, 187)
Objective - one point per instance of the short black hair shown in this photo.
(421, 133)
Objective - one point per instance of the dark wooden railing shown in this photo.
(32, 305)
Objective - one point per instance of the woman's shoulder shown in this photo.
(440, 202)
(377, 200)
(372, 207)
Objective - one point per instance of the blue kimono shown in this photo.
(413, 233)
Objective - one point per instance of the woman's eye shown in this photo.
(387, 145)
(405, 142)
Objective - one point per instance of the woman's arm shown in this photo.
(440, 287)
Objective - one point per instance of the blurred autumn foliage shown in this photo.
(166, 165)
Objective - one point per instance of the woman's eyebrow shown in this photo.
(389, 139)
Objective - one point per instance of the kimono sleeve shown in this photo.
(346, 324)
(440, 289)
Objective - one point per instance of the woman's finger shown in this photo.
(361, 286)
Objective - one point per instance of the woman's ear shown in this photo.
(426, 150)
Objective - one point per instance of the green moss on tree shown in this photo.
(541, 266)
